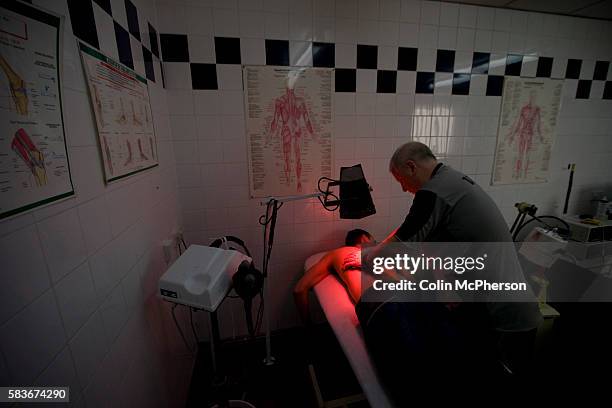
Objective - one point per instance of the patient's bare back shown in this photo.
(346, 262)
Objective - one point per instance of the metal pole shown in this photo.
(213, 328)
(269, 360)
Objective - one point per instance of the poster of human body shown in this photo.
(289, 128)
(34, 168)
(526, 132)
(120, 101)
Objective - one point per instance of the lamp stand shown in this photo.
(272, 207)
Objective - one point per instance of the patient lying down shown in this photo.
(344, 262)
(427, 337)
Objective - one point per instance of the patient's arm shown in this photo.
(311, 277)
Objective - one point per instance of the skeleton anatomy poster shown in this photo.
(120, 101)
(529, 111)
(289, 128)
(34, 167)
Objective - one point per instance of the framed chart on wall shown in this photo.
(289, 126)
(122, 109)
(529, 111)
(34, 168)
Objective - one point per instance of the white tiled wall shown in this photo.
(78, 305)
(212, 173)
(82, 274)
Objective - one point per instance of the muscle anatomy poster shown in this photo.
(289, 128)
(529, 112)
(120, 102)
(34, 167)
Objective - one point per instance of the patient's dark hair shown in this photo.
(352, 237)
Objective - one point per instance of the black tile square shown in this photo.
(445, 61)
(367, 56)
(83, 21)
(386, 81)
(153, 39)
(203, 76)
(495, 85)
(407, 59)
(277, 52)
(227, 50)
(174, 47)
(323, 55)
(601, 70)
(544, 69)
(480, 62)
(583, 91)
(132, 18)
(124, 46)
(346, 80)
(105, 5)
(514, 63)
(425, 82)
(573, 69)
(607, 93)
(147, 57)
(461, 84)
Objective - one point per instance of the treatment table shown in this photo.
(340, 313)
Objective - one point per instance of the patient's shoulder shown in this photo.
(343, 255)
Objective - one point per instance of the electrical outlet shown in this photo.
(167, 247)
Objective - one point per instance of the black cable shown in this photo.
(179, 328)
(195, 335)
(325, 205)
(327, 193)
(572, 168)
(260, 309)
(327, 179)
(540, 220)
(184, 244)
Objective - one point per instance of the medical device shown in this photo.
(355, 202)
(583, 231)
(526, 209)
(201, 277)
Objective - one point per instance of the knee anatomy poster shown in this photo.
(288, 127)
(529, 112)
(120, 102)
(34, 168)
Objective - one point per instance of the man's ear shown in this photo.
(411, 166)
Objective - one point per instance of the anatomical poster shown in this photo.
(120, 102)
(34, 168)
(288, 127)
(530, 107)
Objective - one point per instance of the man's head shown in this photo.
(412, 165)
(357, 238)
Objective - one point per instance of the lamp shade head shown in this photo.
(355, 198)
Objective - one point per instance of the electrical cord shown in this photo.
(327, 194)
(260, 309)
(195, 335)
(534, 218)
(264, 220)
(181, 330)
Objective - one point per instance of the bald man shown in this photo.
(448, 206)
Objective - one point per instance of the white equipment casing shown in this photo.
(588, 232)
(201, 277)
(551, 248)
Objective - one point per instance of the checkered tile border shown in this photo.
(421, 71)
(487, 70)
(84, 27)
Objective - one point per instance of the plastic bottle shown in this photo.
(601, 212)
